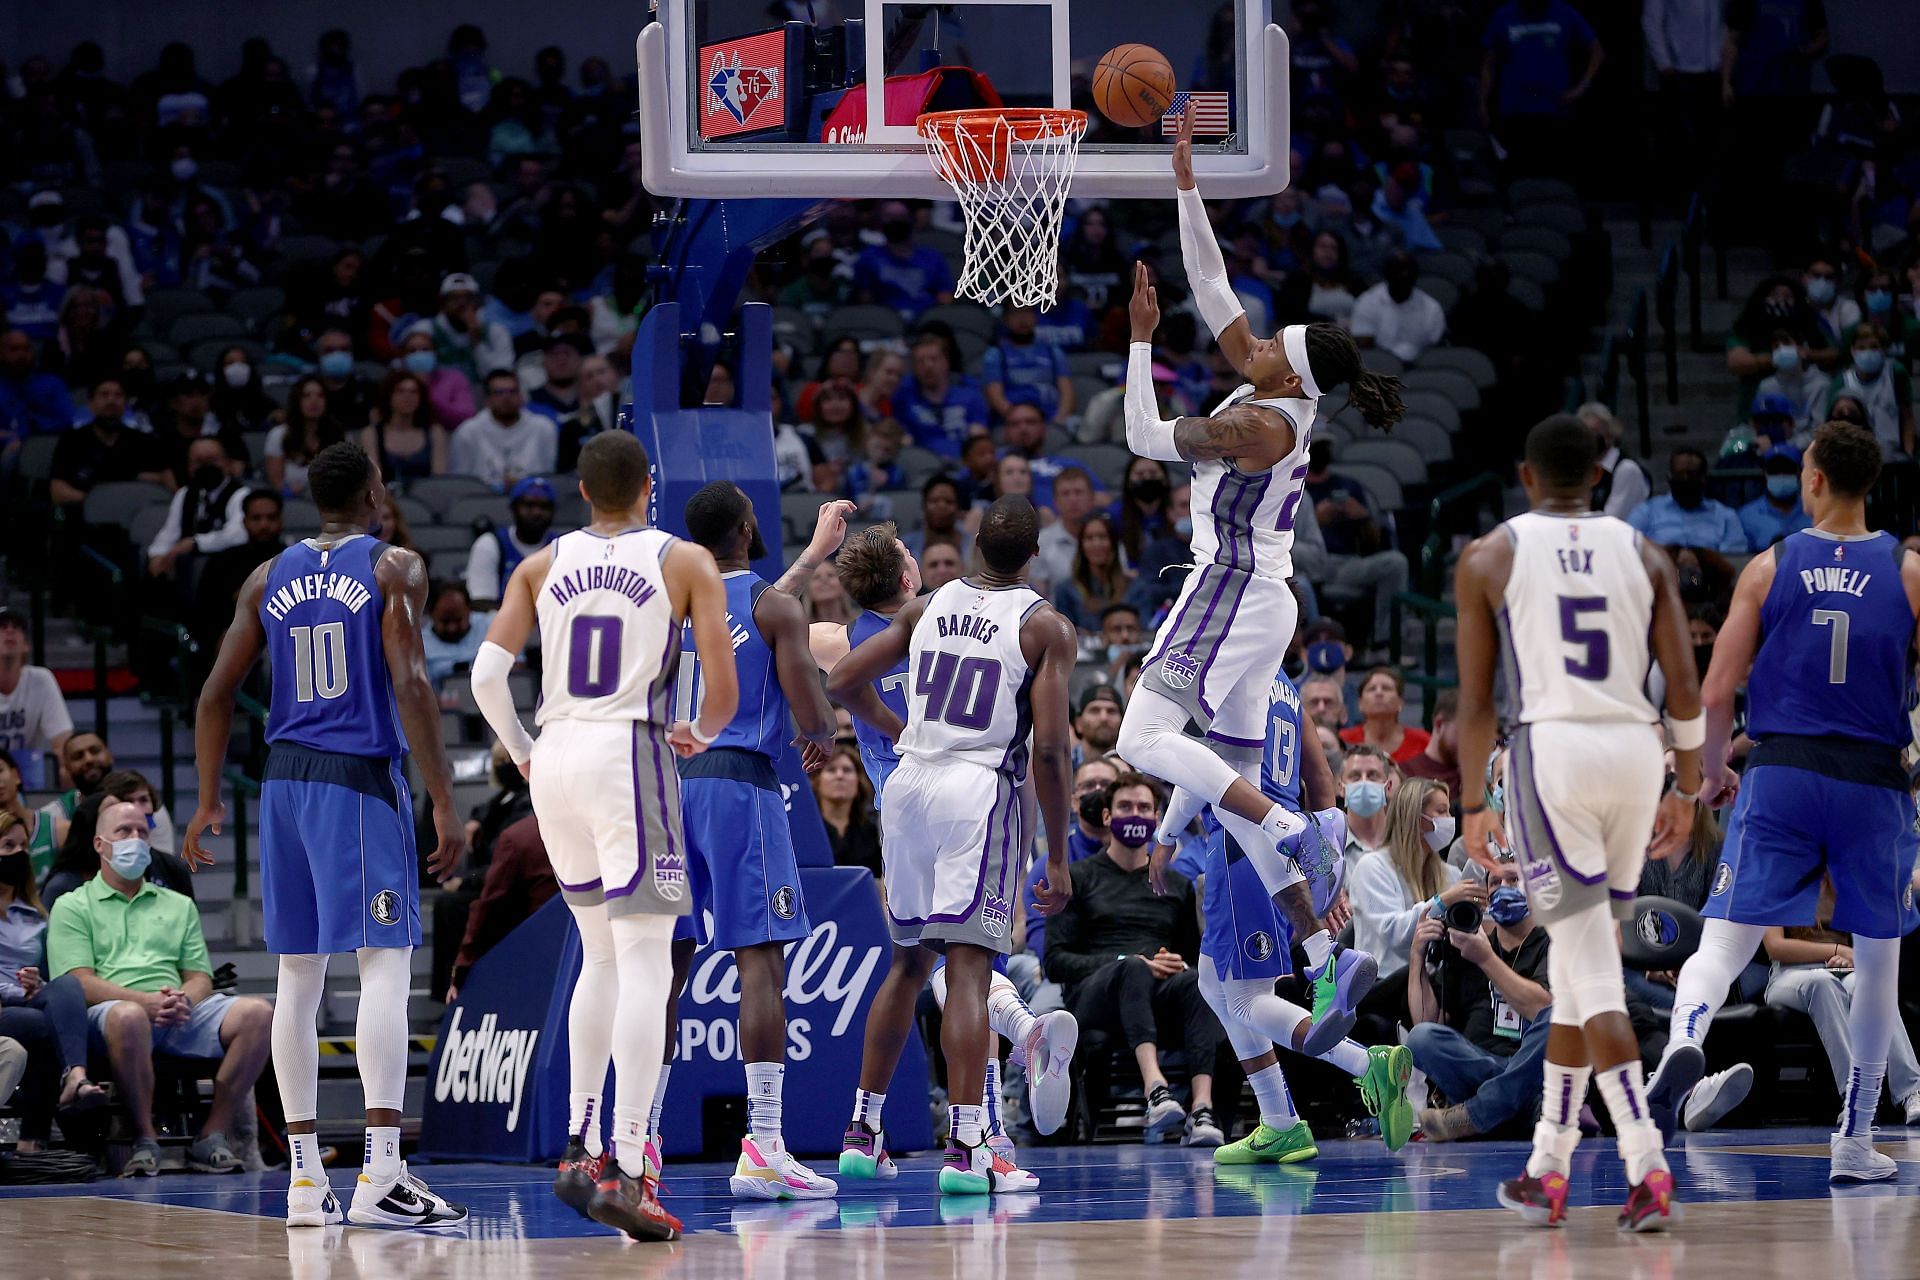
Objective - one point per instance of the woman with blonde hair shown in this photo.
(1623, 482)
(1396, 884)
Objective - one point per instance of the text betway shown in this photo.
(486, 1065)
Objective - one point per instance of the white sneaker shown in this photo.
(1911, 1105)
(1715, 1096)
(313, 1204)
(768, 1171)
(1855, 1160)
(1049, 1050)
(403, 1202)
(1164, 1113)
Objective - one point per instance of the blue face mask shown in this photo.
(1497, 798)
(1183, 526)
(129, 858)
(1507, 905)
(1364, 799)
(1880, 301)
(1783, 487)
(336, 364)
(1820, 290)
(421, 364)
(1869, 362)
(1786, 359)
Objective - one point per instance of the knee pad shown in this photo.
(1247, 1043)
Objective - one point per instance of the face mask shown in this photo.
(1497, 798)
(1183, 526)
(15, 869)
(1507, 905)
(1092, 805)
(1150, 491)
(1783, 487)
(238, 375)
(336, 364)
(129, 858)
(1132, 831)
(1880, 301)
(1779, 307)
(1441, 836)
(1399, 290)
(420, 363)
(183, 169)
(208, 477)
(1786, 359)
(1687, 490)
(1820, 291)
(1869, 362)
(1364, 799)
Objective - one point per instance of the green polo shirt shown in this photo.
(142, 943)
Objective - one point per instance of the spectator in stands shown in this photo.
(142, 385)
(878, 467)
(1882, 386)
(1092, 790)
(1021, 369)
(463, 340)
(939, 407)
(940, 510)
(979, 460)
(87, 346)
(1368, 779)
(1805, 387)
(39, 831)
(225, 572)
(498, 551)
(1685, 40)
(30, 301)
(102, 449)
(1127, 959)
(1347, 542)
(141, 959)
(939, 565)
(1481, 1008)
(559, 396)
(1623, 482)
(839, 430)
(307, 425)
(206, 514)
(1072, 495)
(519, 881)
(1400, 205)
(1397, 315)
(1771, 49)
(238, 401)
(1776, 513)
(839, 362)
(1685, 516)
(820, 287)
(1540, 59)
(1100, 576)
(349, 395)
(1323, 696)
(827, 598)
(448, 389)
(1139, 514)
(1120, 640)
(899, 274)
(1096, 723)
(1324, 289)
(1777, 304)
(331, 80)
(1166, 560)
(188, 417)
(1383, 697)
(31, 403)
(81, 806)
(1832, 305)
(1094, 262)
(33, 712)
(1024, 432)
(880, 382)
(503, 444)
(1440, 761)
(96, 255)
(454, 633)
(404, 437)
(1393, 888)
(845, 800)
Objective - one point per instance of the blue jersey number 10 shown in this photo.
(319, 661)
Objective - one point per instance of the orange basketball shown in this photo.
(1133, 85)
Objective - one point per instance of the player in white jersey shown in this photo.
(609, 600)
(988, 661)
(1572, 601)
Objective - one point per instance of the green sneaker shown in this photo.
(1266, 1145)
(1384, 1091)
(1325, 994)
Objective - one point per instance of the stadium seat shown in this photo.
(1381, 361)
(1537, 267)
(1568, 219)
(36, 458)
(1375, 479)
(1426, 436)
(1106, 463)
(1530, 238)
(117, 501)
(439, 493)
(254, 307)
(1528, 293)
(298, 249)
(799, 511)
(1444, 291)
(164, 306)
(795, 328)
(1397, 457)
(1085, 388)
(1456, 386)
(865, 322)
(469, 511)
(414, 511)
(963, 318)
(1105, 365)
(1461, 239)
(902, 506)
(1448, 266)
(1526, 191)
(300, 518)
(919, 464)
(1485, 219)
(1477, 365)
(189, 329)
(433, 539)
(146, 523)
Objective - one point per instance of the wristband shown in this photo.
(693, 727)
(1689, 734)
(1690, 798)
(1467, 810)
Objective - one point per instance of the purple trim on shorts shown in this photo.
(979, 886)
(577, 888)
(1222, 520)
(1171, 628)
(1553, 841)
(1253, 551)
(643, 865)
(1622, 895)
(1232, 741)
(1200, 676)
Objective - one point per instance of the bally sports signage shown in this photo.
(498, 1080)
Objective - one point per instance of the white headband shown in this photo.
(1293, 339)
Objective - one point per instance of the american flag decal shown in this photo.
(1210, 113)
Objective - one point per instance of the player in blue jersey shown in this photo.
(744, 870)
(1821, 631)
(1247, 945)
(339, 616)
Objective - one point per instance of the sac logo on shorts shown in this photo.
(1259, 946)
(1722, 879)
(783, 902)
(1179, 670)
(385, 907)
(994, 917)
(1542, 884)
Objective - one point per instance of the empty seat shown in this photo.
(1566, 218)
(146, 524)
(439, 493)
(1451, 383)
(962, 318)
(432, 539)
(164, 306)
(488, 508)
(799, 511)
(117, 501)
(865, 322)
(1397, 457)
(1477, 365)
(1460, 239)
(254, 307)
(1443, 291)
(300, 518)
(1448, 266)
(189, 329)
(1376, 480)
(1382, 361)
(919, 464)
(297, 249)
(1426, 436)
(1106, 463)
(1433, 406)
(1537, 267)
(414, 511)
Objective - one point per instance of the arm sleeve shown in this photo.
(1206, 269)
(495, 700)
(1147, 433)
(1181, 810)
(169, 533)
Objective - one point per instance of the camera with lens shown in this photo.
(1464, 915)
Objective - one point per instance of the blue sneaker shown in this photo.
(1322, 865)
(1343, 982)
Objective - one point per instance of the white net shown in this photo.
(1011, 171)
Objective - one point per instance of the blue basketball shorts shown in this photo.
(338, 867)
(1243, 931)
(1791, 827)
(746, 880)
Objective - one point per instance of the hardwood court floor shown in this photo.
(1757, 1206)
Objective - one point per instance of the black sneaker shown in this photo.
(577, 1176)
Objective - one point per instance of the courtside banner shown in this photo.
(497, 1084)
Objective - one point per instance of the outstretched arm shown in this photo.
(1219, 306)
(829, 531)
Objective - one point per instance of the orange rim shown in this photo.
(1027, 124)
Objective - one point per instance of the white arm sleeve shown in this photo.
(1181, 810)
(1147, 434)
(495, 700)
(1206, 269)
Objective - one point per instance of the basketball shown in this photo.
(1133, 85)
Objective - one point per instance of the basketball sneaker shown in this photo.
(769, 1172)
(578, 1174)
(1004, 1152)
(313, 1204)
(1202, 1129)
(1267, 1145)
(1383, 1091)
(403, 1202)
(1322, 865)
(653, 1161)
(1672, 1082)
(863, 1154)
(1650, 1204)
(1046, 1054)
(1541, 1201)
(1164, 1113)
(1342, 983)
(1855, 1160)
(1715, 1096)
(977, 1171)
(630, 1205)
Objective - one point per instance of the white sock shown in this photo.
(304, 1149)
(1282, 823)
(990, 1099)
(1007, 1013)
(1276, 1104)
(1318, 948)
(1625, 1093)
(1553, 1146)
(630, 1141)
(867, 1107)
(583, 1120)
(764, 1082)
(383, 1152)
(1350, 1056)
(1862, 1099)
(659, 1099)
(966, 1124)
(1565, 1092)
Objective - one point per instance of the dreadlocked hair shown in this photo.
(1336, 362)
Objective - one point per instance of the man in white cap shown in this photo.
(462, 337)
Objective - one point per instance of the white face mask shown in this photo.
(1442, 834)
(238, 374)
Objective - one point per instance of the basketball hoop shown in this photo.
(1010, 169)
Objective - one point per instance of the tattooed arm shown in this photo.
(1232, 433)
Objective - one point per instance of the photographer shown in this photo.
(1478, 995)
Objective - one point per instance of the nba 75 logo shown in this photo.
(739, 90)
(1178, 669)
(744, 89)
